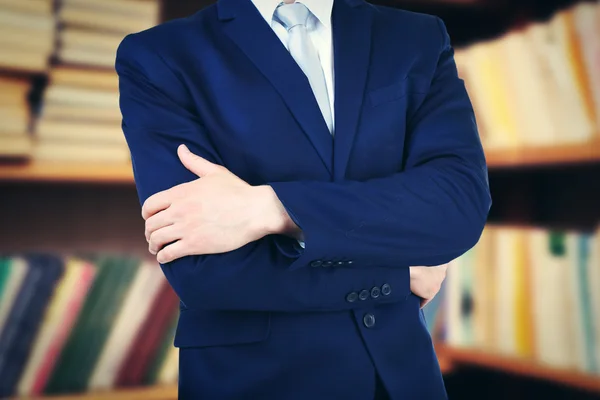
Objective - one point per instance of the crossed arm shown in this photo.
(226, 257)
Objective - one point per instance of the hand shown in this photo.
(216, 213)
(426, 282)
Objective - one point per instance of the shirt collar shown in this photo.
(320, 8)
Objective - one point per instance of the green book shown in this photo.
(71, 354)
(166, 344)
(121, 277)
(4, 274)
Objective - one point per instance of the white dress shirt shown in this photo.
(319, 29)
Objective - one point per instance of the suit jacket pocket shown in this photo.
(203, 328)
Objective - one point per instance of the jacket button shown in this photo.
(386, 289)
(363, 295)
(316, 263)
(339, 264)
(326, 264)
(351, 297)
(369, 320)
(375, 292)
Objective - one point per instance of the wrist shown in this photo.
(270, 216)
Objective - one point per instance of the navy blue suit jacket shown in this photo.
(404, 182)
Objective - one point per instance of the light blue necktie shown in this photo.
(293, 17)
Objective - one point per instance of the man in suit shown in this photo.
(293, 161)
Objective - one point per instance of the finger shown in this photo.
(156, 203)
(162, 237)
(157, 221)
(172, 252)
(195, 163)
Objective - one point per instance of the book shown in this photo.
(139, 356)
(544, 296)
(105, 81)
(25, 317)
(50, 150)
(102, 317)
(43, 7)
(58, 318)
(78, 132)
(152, 375)
(135, 308)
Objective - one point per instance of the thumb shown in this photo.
(195, 163)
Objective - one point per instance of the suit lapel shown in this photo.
(351, 23)
(246, 27)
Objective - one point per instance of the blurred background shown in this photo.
(84, 310)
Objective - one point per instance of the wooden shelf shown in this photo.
(149, 393)
(518, 366)
(65, 172)
(109, 173)
(544, 156)
(450, 359)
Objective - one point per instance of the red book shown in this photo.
(148, 338)
(73, 308)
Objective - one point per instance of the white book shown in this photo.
(16, 58)
(169, 371)
(537, 246)
(29, 6)
(555, 349)
(83, 133)
(505, 286)
(114, 22)
(136, 307)
(455, 334)
(82, 96)
(551, 43)
(15, 146)
(80, 153)
(91, 114)
(147, 9)
(88, 57)
(594, 291)
(587, 24)
(72, 37)
(33, 40)
(532, 101)
(575, 326)
(24, 20)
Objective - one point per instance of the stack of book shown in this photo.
(73, 324)
(27, 29)
(80, 118)
(92, 29)
(531, 293)
(540, 85)
(14, 118)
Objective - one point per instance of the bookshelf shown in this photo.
(549, 156)
(76, 191)
(544, 156)
(146, 393)
(459, 357)
(450, 359)
(66, 172)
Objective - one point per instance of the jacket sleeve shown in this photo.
(429, 213)
(156, 119)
